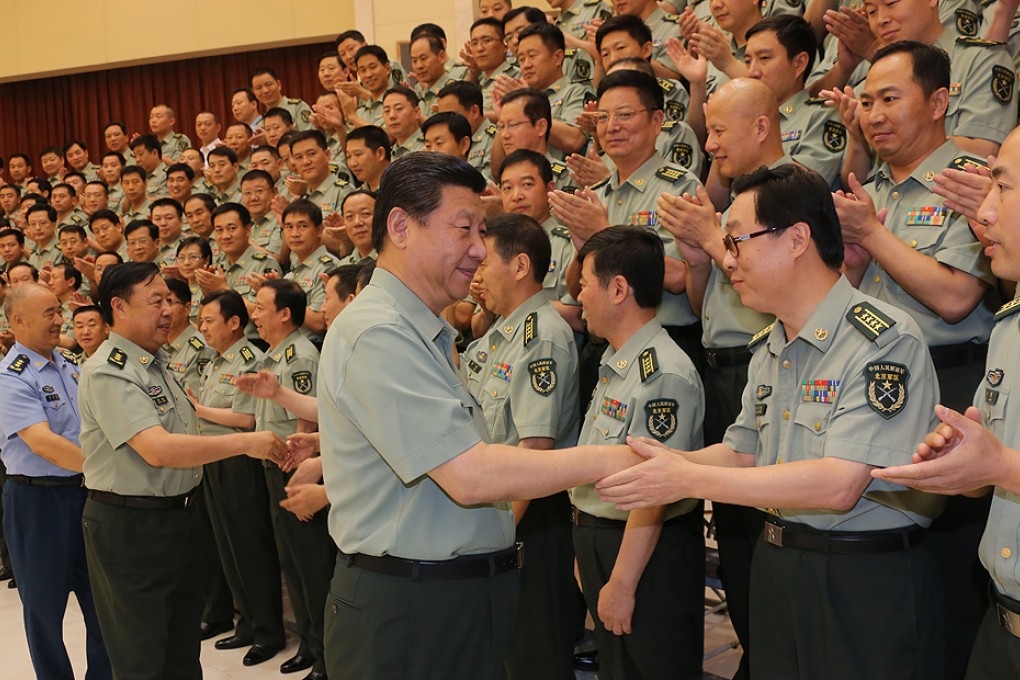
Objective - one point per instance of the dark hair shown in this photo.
(456, 123)
(488, 21)
(536, 106)
(373, 136)
(256, 175)
(165, 202)
(74, 173)
(263, 71)
(349, 35)
(69, 272)
(304, 207)
(415, 183)
(64, 185)
(244, 126)
(303, 135)
(114, 123)
(38, 198)
(241, 211)
(405, 92)
(627, 23)
(148, 225)
(149, 142)
(288, 295)
(435, 44)
(231, 304)
(226, 152)
(133, 170)
(179, 288)
(533, 14)
(22, 156)
(365, 274)
(118, 155)
(43, 185)
(104, 214)
(96, 183)
(632, 64)
(467, 93)
(119, 280)
(636, 254)
(358, 192)
(346, 279)
(249, 93)
(31, 268)
(790, 194)
(550, 35)
(931, 64)
(427, 29)
(286, 138)
(202, 244)
(47, 150)
(86, 309)
(271, 150)
(793, 33)
(112, 253)
(329, 55)
(50, 211)
(215, 116)
(371, 51)
(521, 156)
(16, 233)
(75, 142)
(15, 187)
(647, 87)
(72, 229)
(513, 234)
(281, 113)
(188, 171)
(207, 200)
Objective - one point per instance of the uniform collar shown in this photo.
(312, 257)
(557, 87)
(924, 174)
(411, 306)
(133, 353)
(821, 326)
(793, 104)
(639, 178)
(188, 333)
(509, 326)
(622, 360)
(37, 361)
(235, 348)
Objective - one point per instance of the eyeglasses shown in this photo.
(732, 243)
(510, 38)
(622, 117)
(501, 127)
(484, 41)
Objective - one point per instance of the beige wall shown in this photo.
(55, 37)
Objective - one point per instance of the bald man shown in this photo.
(743, 135)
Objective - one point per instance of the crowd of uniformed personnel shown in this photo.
(618, 143)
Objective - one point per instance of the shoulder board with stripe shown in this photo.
(196, 343)
(491, 130)
(562, 232)
(530, 327)
(247, 354)
(673, 175)
(569, 52)
(599, 184)
(649, 364)
(259, 256)
(326, 259)
(815, 101)
(665, 84)
(1008, 309)
(760, 336)
(668, 125)
(870, 321)
(980, 42)
(293, 100)
(117, 357)
(557, 167)
(291, 354)
(965, 162)
(19, 364)
(71, 357)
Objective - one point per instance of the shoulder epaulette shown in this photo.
(341, 183)
(247, 354)
(965, 162)
(491, 130)
(590, 3)
(293, 100)
(77, 219)
(196, 343)
(815, 101)
(333, 168)
(562, 232)
(665, 84)
(672, 17)
(980, 42)
(19, 364)
(259, 256)
(668, 125)
(326, 259)
(1008, 309)
(570, 51)
(290, 354)
(649, 364)
(760, 336)
(599, 184)
(530, 328)
(557, 167)
(673, 175)
(117, 357)
(71, 357)
(869, 321)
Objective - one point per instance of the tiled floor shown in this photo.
(226, 665)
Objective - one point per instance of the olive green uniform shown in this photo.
(155, 183)
(146, 580)
(567, 100)
(189, 357)
(329, 195)
(410, 414)
(480, 155)
(507, 68)
(678, 144)
(555, 283)
(306, 274)
(576, 18)
(139, 213)
(813, 135)
(997, 650)
(355, 257)
(115, 197)
(238, 502)
(856, 383)
(173, 145)
(429, 96)
(251, 262)
(677, 99)
(647, 388)
(168, 253)
(266, 233)
(416, 142)
(76, 218)
(49, 253)
(982, 97)
(371, 111)
(91, 171)
(232, 194)
(299, 110)
(523, 372)
(664, 26)
(306, 553)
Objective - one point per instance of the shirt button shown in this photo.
(607, 431)
(895, 195)
(878, 279)
(913, 243)
(493, 347)
(786, 414)
(494, 394)
(619, 201)
(786, 364)
(818, 426)
(333, 608)
(1006, 553)
(605, 380)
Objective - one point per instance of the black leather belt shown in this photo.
(790, 535)
(466, 566)
(72, 481)
(1007, 611)
(954, 356)
(583, 519)
(726, 357)
(143, 502)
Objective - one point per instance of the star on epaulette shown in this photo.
(290, 354)
(117, 357)
(760, 336)
(196, 343)
(247, 354)
(869, 321)
(530, 328)
(649, 364)
(19, 364)
(1008, 309)
(562, 232)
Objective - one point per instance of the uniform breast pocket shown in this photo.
(993, 409)
(223, 396)
(808, 435)
(611, 430)
(924, 238)
(496, 409)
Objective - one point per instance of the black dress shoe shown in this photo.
(316, 675)
(587, 660)
(12, 584)
(296, 663)
(259, 653)
(213, 629)
(232, 642)
(6, 573)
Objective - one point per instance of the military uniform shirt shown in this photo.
(918, 217)
(299, 110)
(305, 273)
(634, 203)
(813, 135)
(1000, 544)
(232, 194)
(155, 184)
(982, 98)
(40, 256)
(392, 408)
(428, 96)
(168, 253)
(371, 111)
(266, 233)
(295, 363)
(567, 99)
(581, 14)
(123, 391)
(523, 372)
(37, 389)
(416, 142)
(578, 66)
(507, 68)
(649, 388)
(91, 172)
(76, 218)
(189, 357)
(115, 197)
(677, 99)
(480, 155)
(173, 145)
(555, 283)
(355, 257)
(857, 383)
(251, 262)
(664, 26)
(678, 144)
(219, 389)
(139, 213)
(329, 195)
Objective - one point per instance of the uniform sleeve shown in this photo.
(22, 406)
(859, 432)
(301, 376)
(539, 390)
(411, 408)
(573, 103)
(120, 407)
(671, 410)
(961, 250)
(812, 151)
(742, 435)
(983, 112)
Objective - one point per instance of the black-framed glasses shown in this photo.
(732, 243)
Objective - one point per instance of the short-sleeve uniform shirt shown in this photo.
(251, 262)
(295, 363)
(219, 388)
(189, 357)
(813, 135)
(306, 274)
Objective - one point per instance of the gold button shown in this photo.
(818, 426)
(494, 393)
(913, 243)
(1006, 553)
(786, 364)
(895, 195)
(605, 380)
(607, 431)
(619, 201)
(786, 414)
(878, 279)
(494, 347)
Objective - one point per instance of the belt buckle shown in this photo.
(575, 517)
(1010, 621)
(774, 534)
(520, 555)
